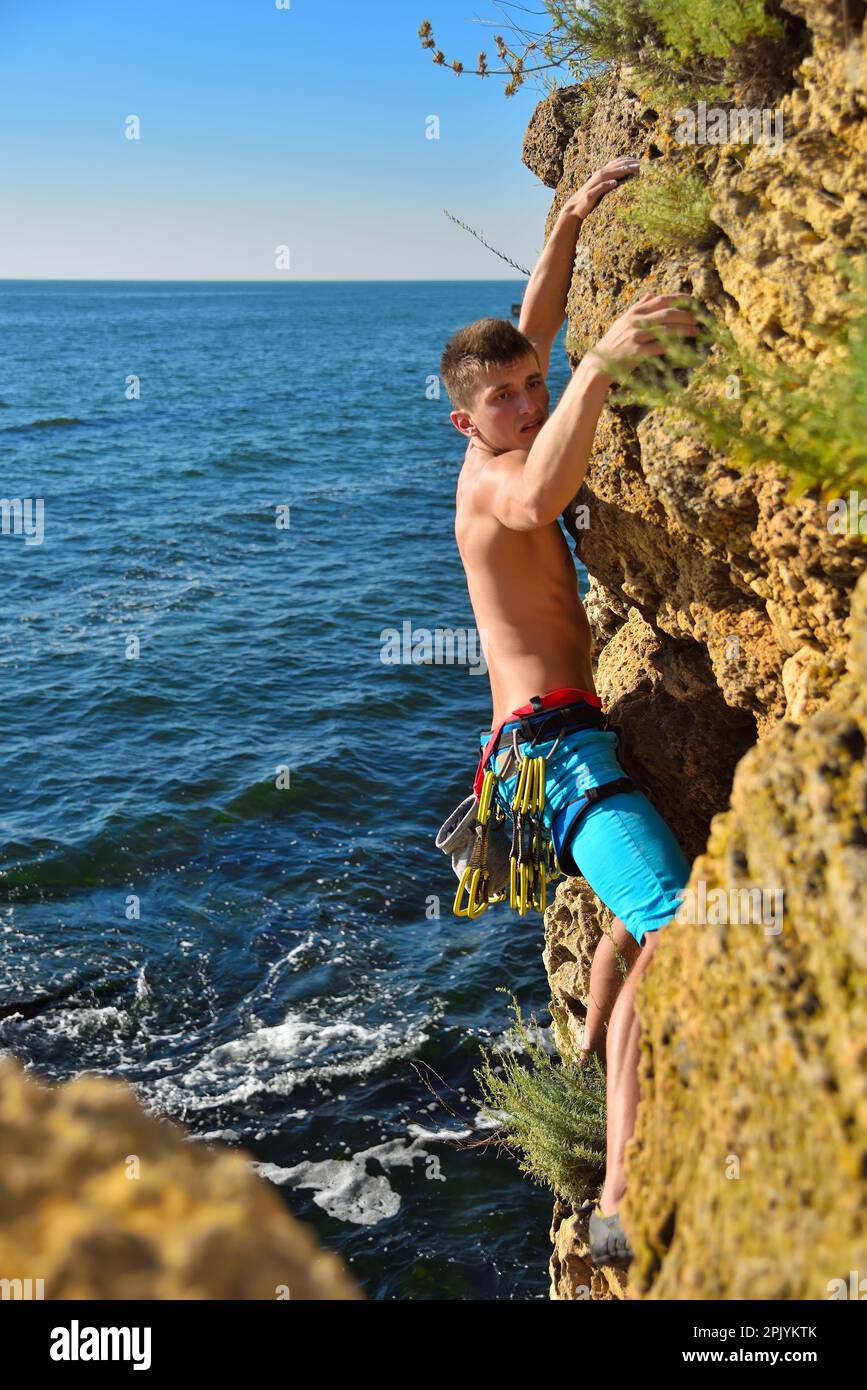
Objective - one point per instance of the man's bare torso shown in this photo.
(523, 587)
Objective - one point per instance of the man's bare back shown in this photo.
(523, 587)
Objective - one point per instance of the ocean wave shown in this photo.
(273, 1061)
(132, 847)
(58, 422)
(112, 856)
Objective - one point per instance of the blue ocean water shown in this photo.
(259, 961)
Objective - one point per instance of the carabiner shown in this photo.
(484, 811)
(470, 875)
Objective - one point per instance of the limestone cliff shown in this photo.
(100, 1201)
(721, 615)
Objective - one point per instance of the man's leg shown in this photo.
(623, 1056)
(613, 959)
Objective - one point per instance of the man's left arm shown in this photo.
(544, 307)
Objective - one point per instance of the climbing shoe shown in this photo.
(608, 1243)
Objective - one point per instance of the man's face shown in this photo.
(510, 406)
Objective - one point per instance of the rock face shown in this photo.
(748, 1176)
(573, 1274)
(100, 1201)
(720, 607)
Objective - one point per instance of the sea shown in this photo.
(230, 736)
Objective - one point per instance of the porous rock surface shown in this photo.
(731, 659)
(99, 1200)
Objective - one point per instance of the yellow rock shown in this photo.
(100, 1200)
(729, 631)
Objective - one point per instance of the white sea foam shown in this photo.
(224, 1136)
(509, 1041)
(81, 1023)
(301, 948)
(274, 1060)
(344, 1188)
(437, 1135)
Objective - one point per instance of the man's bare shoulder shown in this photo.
(482, 474)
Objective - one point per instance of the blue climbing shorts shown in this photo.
(620, 845)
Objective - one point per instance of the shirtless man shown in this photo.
(522, 469)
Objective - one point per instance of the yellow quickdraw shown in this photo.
(533, 862)
(474, 880)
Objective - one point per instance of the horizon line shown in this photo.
(173, 280)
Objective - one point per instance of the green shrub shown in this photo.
(671, 209)
(554, 1112)
(603, 29)
(806, 416)
(696, 46)
(681, 51)
(709, 28)
(579, 110)
(683, 30)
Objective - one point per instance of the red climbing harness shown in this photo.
(555, 699)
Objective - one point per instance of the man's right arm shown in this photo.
(533, 489)
(527, 485)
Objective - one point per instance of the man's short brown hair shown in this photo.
(484, 344)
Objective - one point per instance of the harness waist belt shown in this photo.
(540, 728)
(539, 704)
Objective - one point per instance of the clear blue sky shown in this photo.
(260, 127)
